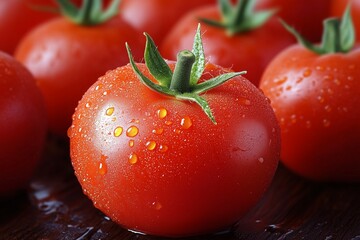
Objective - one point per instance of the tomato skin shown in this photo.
(22, 125)
(157, 17)
(193, 178)
(66, 59)
(306, 17)
(250, 51)
(338, 7)
(315, 99)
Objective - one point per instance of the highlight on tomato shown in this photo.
(157, 17)
(174, 148)
(22, 125)
(237, 36)
(68, 54)
(314, 90)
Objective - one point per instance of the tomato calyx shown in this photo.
(183, 82)
(90, 13)
(338, 35)
(240, 17)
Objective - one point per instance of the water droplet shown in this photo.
(321, 99)
(131, 143)
(177, 131)
(299, 80)
(327, 77)
(158, 131)
(307, 72)
(70, 131)
(98, 87)
(150, 145)
(319, 68)
(109, 111)
(132, 131)
(133, 158)
(161, 113)
(102, 165)
(326, 123)
(293, 118)
(261, 160)
(186, 122)
(118, 131)
(308, 124)
(168, 123)
(327, 108)
(135, 121)
(157, 205)
(280, 81)
(350, 78)
(87, 105)
(337, 81)
(288, 88)
(105, 93)
(163, 148)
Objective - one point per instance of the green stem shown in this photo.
(85, 12)
(180, 81)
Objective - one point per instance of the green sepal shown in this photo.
(240, 17)
(199, 64)
(183, 84)
(156, 87)
(90, 13)
(156, 63)
(214, 82)
(338, 35)
(200, 101)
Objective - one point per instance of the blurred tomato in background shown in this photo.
(157, 17)
(18, 17)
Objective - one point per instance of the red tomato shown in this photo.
(158, 165)
(157, 17)
(307, 17)
(316, 100)
(338, 7)
(18, 17)
(67, 58)
(22, 125)
(250, 50)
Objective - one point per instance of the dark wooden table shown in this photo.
(54, 207)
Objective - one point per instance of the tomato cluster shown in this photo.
(199, 135)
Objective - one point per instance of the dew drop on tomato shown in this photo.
(109, 111)
(161, 113)
(103, 165)
(131, 143)
(186, 122)
(158, 131)
(163, 148)
(118, 131)
(151, 145)
(133, 158)
(132, 131)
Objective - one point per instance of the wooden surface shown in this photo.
(53, 207)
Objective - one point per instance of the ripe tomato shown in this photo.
(22, 125)
(316, 100)
(66, 58)
(18, 17)
(157, 17)
(307, 17)
(249, 50)
(159, 165)
(338, 7)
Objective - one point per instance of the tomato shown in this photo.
(315, 98)
(22, 125)
(307, 17)
(249, 50)
(18, 17)
(157, 17)
(338, 7)
(159, 165)
(66, 58)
